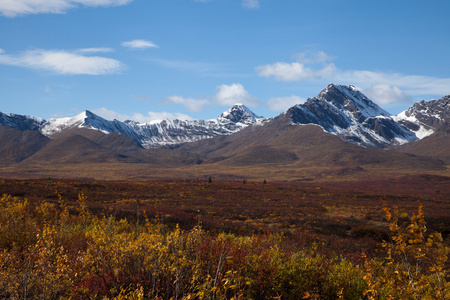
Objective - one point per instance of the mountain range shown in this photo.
(340, 127)
(149, 135)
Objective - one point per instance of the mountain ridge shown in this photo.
(341, 110)
(340, 133)
(149, 135)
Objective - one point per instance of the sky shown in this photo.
(193, 59)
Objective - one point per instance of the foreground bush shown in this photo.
(415, 266)
(46, 253)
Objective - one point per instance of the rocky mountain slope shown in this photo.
(426, 117)
(350, 115)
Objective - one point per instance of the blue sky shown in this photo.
(155, 59)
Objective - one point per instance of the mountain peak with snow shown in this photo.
(240, 113)
(349, 114)
(350, 98)
(426, 117)
(83, 119)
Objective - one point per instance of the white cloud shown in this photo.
(14, 8)
(2, 51)
(190, 103)
(232, 94)
(139, 44)
(414, 85)
(295, 71)
(382, 87)
(138, 117)
(385, 94)
(283, 103)
(251, 4)
(63, 62)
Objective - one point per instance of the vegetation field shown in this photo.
(225, 239)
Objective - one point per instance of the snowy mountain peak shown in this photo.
(426, 117)
(350, 98)
(240, 113)
(85, 119)
(349, 114)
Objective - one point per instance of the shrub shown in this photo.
(414, 267)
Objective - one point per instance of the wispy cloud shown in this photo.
(139, 44)
(14, 8)
(251, 4)
(190, 103)
(142, 97)
(283, 103)
(234, 93)
(312, 57)
(383, 87)
(415, 85)
(227, 95)
(95, 50)
(294, 71)
(386, 94)
(298, 70)
(139, 117)
(63, 62)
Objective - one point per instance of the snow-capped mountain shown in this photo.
(175, 132)
(426, 117)
(350, 115)
(341, 110)
(21, 122)
(87, 120)
(149, 135)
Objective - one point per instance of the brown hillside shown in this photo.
(17, 145)
(113, 141)
(91, 146)
(281, 143)
(75, 148)
(436, 145)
